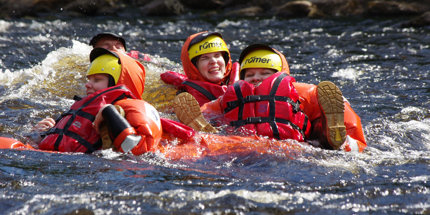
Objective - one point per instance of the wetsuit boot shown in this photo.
(187, 110)
(331, 102)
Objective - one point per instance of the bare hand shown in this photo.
(44, 124)
(99, 119)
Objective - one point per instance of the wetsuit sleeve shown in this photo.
(173, 129)
(145, 131)
(354, 129)
(122, 133)
(173, 78)
(308, 100)
(234, 74)
(212, 107)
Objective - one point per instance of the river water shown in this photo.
(382, 69)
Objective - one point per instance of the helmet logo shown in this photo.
(208, 45)
(257, 60)
(77, 124)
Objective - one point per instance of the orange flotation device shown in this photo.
(9, 143)
(203, 145)
(212, 145)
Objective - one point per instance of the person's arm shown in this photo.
(138, 132)
(173, 78)
(355, 140)
(212, 107)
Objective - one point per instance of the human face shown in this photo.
(211, 66)
(96, 82)
(256, 75)
(110, 43)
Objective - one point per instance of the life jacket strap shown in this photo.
(271, 121)
(61, 132)
(271, 98)
(79, 112)
(201, 90)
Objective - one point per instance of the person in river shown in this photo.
(114, 42)
(115, 84)
(207, 65)
(265, 102)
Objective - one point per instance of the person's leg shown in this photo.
(331, 101)
(187, 110)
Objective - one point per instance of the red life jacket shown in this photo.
(272, 109)
(73, 131)
(203, 91)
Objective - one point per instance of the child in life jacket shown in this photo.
(115, 84)
(332, 121)
(265, 103)
(114, 42)
(207, 65)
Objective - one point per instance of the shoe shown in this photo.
(187, 110)
(331, 101)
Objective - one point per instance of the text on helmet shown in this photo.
(208, 45)
(257, 60)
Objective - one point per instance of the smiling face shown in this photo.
(256, 75)
(96, 82)
(211, 66)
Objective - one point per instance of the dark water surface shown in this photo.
(382, 69)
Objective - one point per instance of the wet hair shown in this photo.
(195, 59)
(111, 82)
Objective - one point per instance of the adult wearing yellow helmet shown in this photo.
(113, 79)
(207, 66)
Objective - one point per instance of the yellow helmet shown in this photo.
(262, 58)
(210, 43)
(105, 64)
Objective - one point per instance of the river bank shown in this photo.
(418, 11)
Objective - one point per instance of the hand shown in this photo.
(44, 125)
(99, 119)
